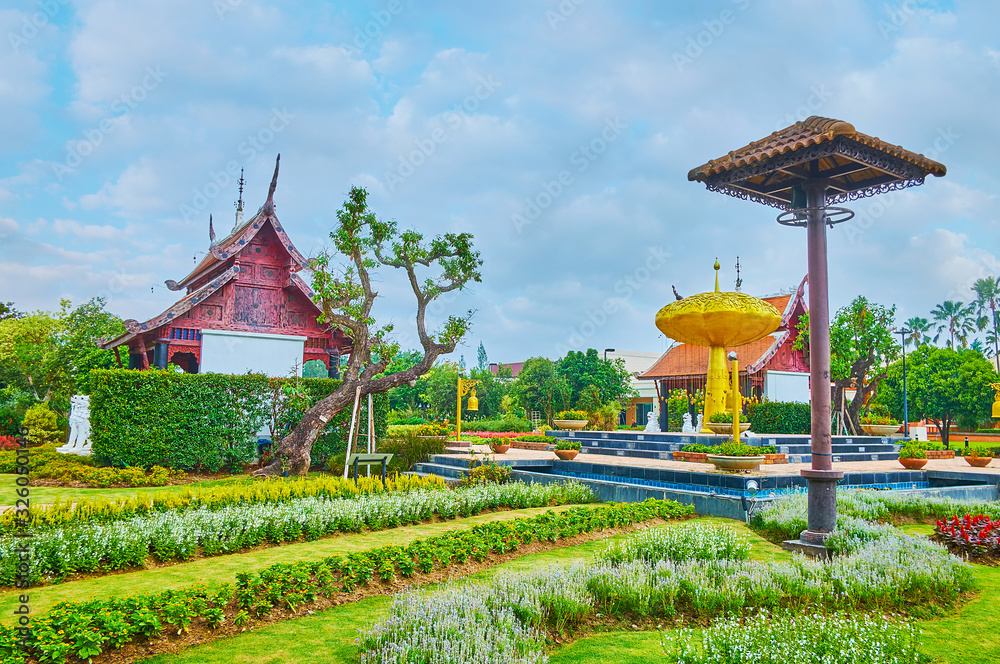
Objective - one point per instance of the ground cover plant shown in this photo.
(89, 629)
(972, 537)
(62, 551)
(47, 464)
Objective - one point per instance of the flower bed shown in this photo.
(61, 552)
(88, 629)
(972, 537)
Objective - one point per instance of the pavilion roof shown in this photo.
(855, 164)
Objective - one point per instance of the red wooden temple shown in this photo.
(769, 367)
(246, 308)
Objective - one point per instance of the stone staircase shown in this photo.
(663, 445)
(453, 468)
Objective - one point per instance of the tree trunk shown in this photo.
(294, 451)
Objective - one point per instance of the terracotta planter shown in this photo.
(913, 464)
(880, 429)
(978, 462)
(574, 425)
(735, 462)
(567, 455)
(500, 449)
(726, 427)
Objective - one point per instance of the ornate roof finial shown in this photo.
(739, 282)
(211, 231)
(269, 204)
(717, 266)
(239, 204)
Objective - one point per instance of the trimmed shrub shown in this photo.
(779, 417)
(502, 426)
(42, 424)
(206, 421)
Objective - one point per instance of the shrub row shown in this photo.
(46, 463)
(88, 629)
(246, 492)
(205, 421)
(58, 553)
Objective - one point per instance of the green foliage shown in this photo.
(42, 425)
(405, 397)
(567, 444)
(943, 385)
(583, 370)
(48, 464)
(410, 450)
(440, 390)
(678, 404)
(912, 452)
(535, 439)
(697, 447)
(721, 417)
(571, 415)
(741, 450)
(540, 388)
(486, 473)
(210, 421)
(589, 399)
(500, 426)
(778, 417)
(682, 542)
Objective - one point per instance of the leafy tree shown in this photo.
(861, 346)
(540, 388)
(492, 390)
(581, 370)
(943, 385)
(29, 346)
(440, 390)
(83, 329)
(343, 285)
(920, 331)
(955, 318)
(987, 290)
(481, 357)
(7, 310)
(405, 396)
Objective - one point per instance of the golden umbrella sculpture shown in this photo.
(718, 320)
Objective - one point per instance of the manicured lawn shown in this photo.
(223, 569)
(49, 494)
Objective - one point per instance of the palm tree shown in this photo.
(987, 290)
(955, 318)
(920, 330)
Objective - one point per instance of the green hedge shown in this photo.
(497, 426)
(203, 421)
(779, 417)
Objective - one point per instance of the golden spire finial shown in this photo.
(717, 266)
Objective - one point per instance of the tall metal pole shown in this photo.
(906, 405)
(822, 518)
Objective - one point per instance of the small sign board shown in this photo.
(369, 460)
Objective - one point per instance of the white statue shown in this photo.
(687, 427)
(700, 417)
(79, 427)
(651, 424)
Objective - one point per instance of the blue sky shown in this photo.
(121, 117)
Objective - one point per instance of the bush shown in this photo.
(46, 463)
(196, 421)
(410, 450)
(912, 452)
(42, 425)
(487, 473)
(566, 444)
(535, 439)
(741, 450)
(721, 417)
(927, 444)
(9, 443)
(500, 426)
(779, 417)
(432, 429)
(697, 447)
(572, 415)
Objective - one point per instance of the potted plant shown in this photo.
(878, 423)
(722, 422)
(500, 446)
(978, 457)
(736, 456)
(912, 457)
(574, 420)
(567, 449)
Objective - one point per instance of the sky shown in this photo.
(558, 132)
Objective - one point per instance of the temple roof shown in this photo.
(222, 251)
(855, 164)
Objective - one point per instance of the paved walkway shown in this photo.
(956, 464)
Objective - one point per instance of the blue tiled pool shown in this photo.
(701, 488)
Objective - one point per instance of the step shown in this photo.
(440, 469)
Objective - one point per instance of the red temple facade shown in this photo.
(247, 297)
(769, 367)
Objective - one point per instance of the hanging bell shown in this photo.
(473, 402)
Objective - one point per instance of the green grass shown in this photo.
(329, 636)
(41, 495)
(223, 569)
